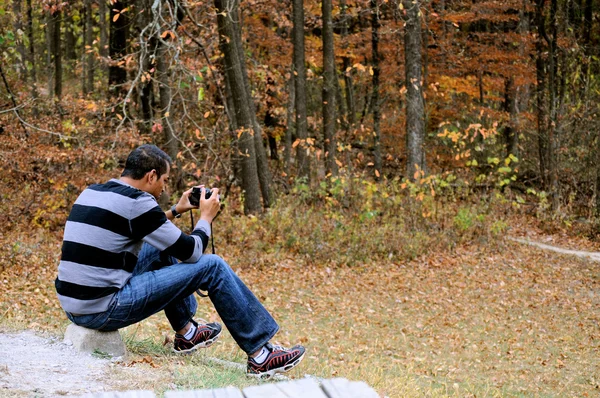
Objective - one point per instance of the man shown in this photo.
(119, 266)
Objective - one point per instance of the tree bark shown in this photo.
(31, 46)
(70, 40)
(148, 48)
(329, 77)
(511, 133)
(164, 77)
(233, 68)
(19, 34)
(290, 131)
(57, 55)
(415, 103)
(349, 107)
(302, 158)
(262, 163)
(103, 25)
(542, 122)
(597, 190)
(376, 106)
(50, 52)
(119, 34)
(88, 82)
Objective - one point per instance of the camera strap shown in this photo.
(212, 243)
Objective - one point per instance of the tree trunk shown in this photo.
(347, 68)
(511, 133)
(249, 173)
(70, 40)
(553, 87)
(415, 106)
(119, 34)
(19, 34)
(587, 25)
(290, 131)
(164, 77)
(31, 47)
(148, 48)
(262, 163)
(102, 24)
(329, 77)
(597, 191)
(376, 106)
(50, 52)
(88, 82)
(542, 115)
(302, 158)
(57, 55)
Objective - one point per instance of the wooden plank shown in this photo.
(121, 394)
(227, 392)
(342, 388)
(303, 388)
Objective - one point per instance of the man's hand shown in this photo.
(208, 207)
(184, 202)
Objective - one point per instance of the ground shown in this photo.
(508, 320)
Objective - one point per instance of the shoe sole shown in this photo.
(204, 344)
(270, 373)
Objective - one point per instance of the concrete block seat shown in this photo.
(89, 340)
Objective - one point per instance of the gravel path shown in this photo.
(33, 366)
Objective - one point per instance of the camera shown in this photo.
(196, 194)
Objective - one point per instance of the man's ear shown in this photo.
(151, 176)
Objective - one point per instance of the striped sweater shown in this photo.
(103, 236)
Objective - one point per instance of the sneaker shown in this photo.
(205, 336)
(279, 360)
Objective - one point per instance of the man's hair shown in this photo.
(145, 158)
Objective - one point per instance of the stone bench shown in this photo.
(89, 340)
(302, 388)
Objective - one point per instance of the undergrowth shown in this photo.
(351, 221)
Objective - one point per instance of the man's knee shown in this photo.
(217, 261)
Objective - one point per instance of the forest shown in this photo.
(399, 141)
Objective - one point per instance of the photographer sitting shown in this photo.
(119, 266)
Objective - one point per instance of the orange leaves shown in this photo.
(167, 33)
(118, 13)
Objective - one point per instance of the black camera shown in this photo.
(196, 194)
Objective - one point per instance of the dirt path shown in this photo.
(595, 256)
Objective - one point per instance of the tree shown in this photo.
(375, 99)
(88, 75)
(226, 9)
(53, 18)
(347, 66)
(302, 159)
(119, 36)
(415, 103)
(329, 77)
(262, 165)
(19, 34)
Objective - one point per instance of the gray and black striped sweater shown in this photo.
(103, 236)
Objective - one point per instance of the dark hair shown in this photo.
(145, 158)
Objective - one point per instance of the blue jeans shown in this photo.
(159, 282)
